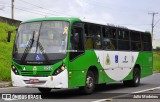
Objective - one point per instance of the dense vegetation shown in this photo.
(156, 61)
(5, 51)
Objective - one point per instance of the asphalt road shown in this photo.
(111, 92)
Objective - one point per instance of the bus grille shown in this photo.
(38, 73)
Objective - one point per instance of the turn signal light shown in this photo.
(59, 70)
(14, 69)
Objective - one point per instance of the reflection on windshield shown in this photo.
(51, 34)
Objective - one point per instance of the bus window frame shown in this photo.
(101, 35)
(83, 51)
(124, 40)
(130, 40)
(136, 41)
(149, 43)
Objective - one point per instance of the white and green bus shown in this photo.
(63, 52)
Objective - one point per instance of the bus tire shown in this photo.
(136, 79)
(89, 84)
(44, 90)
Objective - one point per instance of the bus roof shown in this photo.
(117, 26)
(72, 19)
(53, 18)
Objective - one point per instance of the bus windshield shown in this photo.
(51, 36)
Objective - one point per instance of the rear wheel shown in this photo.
(136, 79)
(90, 84)
(44, 90)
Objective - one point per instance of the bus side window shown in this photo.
(135, 36)
(97, 37)
(123, 34)
(113, 33)
(146, 38)
(135, 41)
(92, 36)
(76, 42)
(109, 38)
(88, 37)
(109, 44)
(146, 42)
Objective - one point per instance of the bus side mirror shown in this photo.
(9, 36)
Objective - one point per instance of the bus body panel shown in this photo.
(79, 67)
(117, 65)
(45, 77)
(112, 66)
(59, 81)
(147, 63)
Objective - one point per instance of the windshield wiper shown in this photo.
(28, 48)
(43, 51)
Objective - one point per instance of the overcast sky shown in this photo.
(129, 13)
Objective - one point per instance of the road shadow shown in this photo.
(102, 91)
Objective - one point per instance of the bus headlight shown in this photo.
(14, 69)
(59, 70)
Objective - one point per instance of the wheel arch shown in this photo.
(138, 66)
(94, 69)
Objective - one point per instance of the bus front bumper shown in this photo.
(58, 81)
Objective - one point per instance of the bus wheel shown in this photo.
(136, 79)
(44, 90)
(90, 84)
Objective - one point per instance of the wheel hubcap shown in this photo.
(89, 82)
(136, 77)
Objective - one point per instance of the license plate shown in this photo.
(33, 80)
